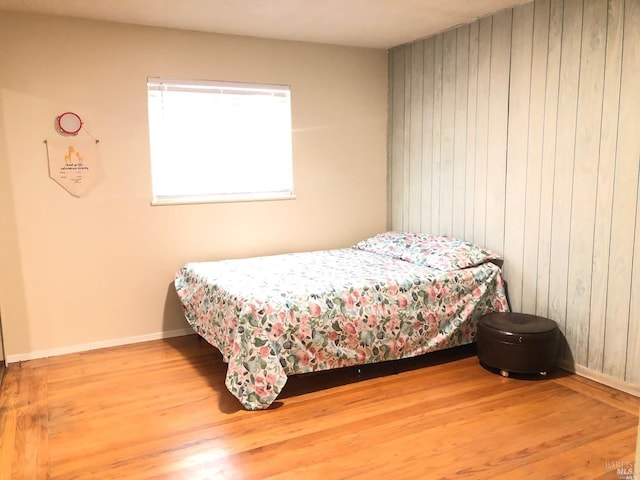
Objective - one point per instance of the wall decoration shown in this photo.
(69, 123)
(73, 164)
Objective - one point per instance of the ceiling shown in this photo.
(363, 23)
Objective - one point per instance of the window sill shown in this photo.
(195, 200)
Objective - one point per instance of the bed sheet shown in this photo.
(279, 315)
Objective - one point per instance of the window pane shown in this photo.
(214, 138)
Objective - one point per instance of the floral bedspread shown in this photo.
(286, 314)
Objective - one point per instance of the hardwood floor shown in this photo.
(160, 410)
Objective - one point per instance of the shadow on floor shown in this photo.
(208, 362)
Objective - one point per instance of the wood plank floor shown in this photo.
(160, 410)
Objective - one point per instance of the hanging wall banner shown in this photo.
(73, 164)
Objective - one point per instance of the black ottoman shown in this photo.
(518, 343)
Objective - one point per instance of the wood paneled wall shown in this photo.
(521, 132)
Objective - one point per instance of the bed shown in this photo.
(394, 295)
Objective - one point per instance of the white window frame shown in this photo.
(213, 141)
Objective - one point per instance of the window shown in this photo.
(219, 141)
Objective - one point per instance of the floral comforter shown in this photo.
(286, 314)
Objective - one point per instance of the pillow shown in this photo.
(393, 244)
(434, 251)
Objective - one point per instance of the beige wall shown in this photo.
(98, 268)
(520, 132)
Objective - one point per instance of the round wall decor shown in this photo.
(69, 123)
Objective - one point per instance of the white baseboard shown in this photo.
(21, 357)
(601, 378)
